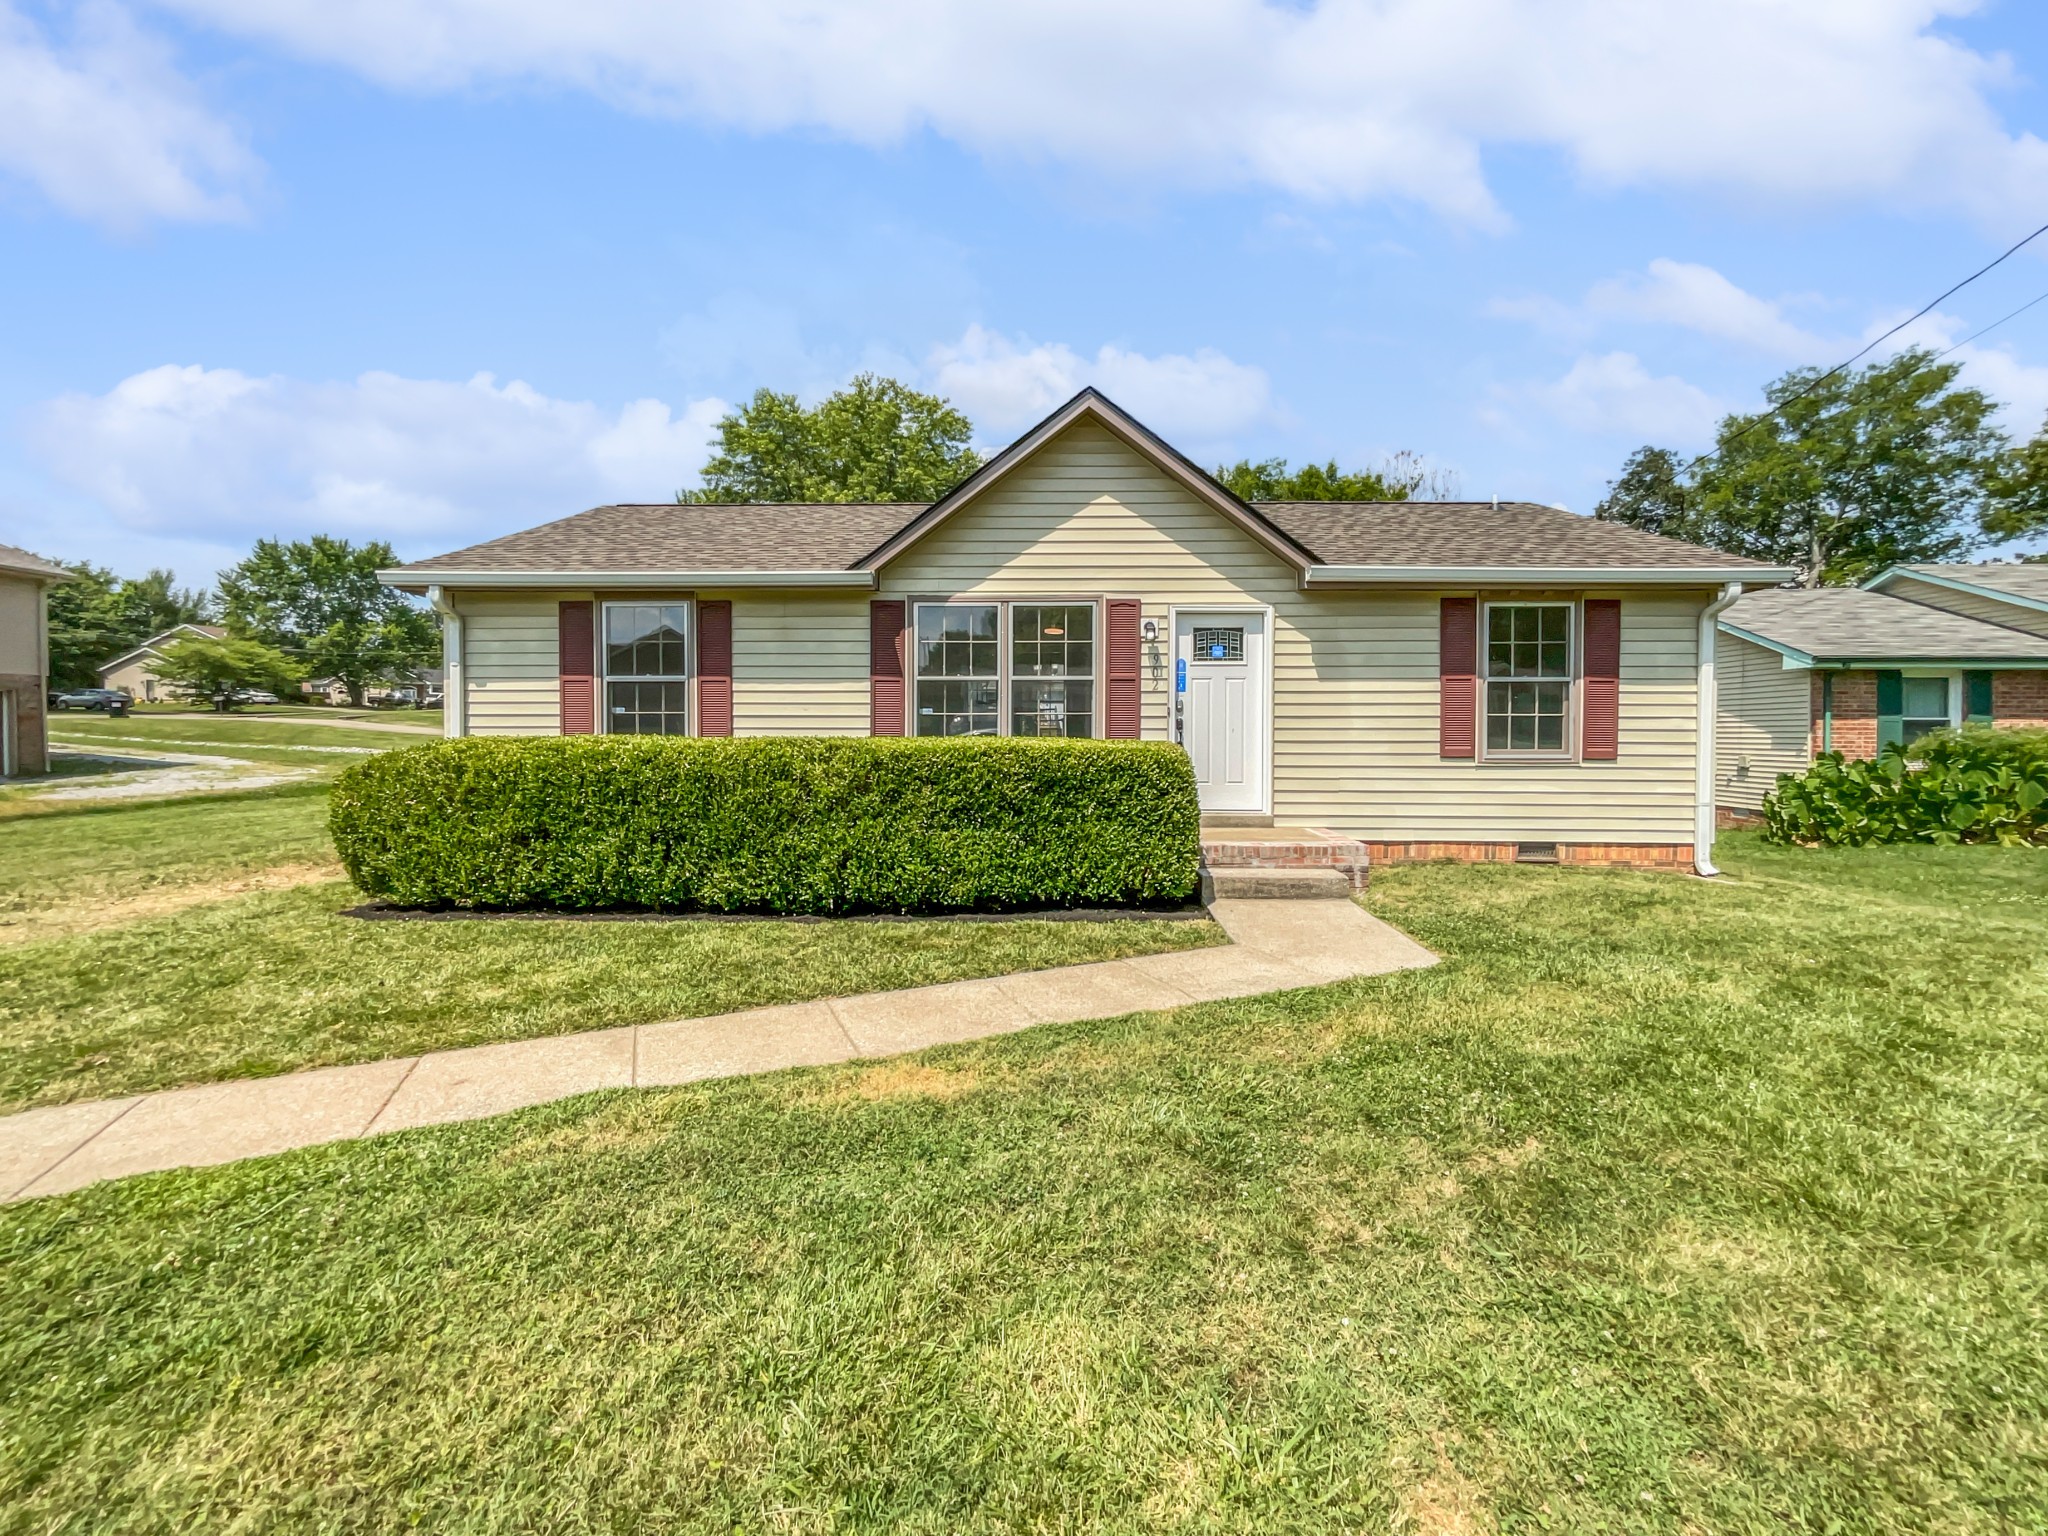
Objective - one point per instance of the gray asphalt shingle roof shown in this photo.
(13, 559)
(666, 536)
(1469, 533)
(1852, 624)
(2019, 580)
(671, 536)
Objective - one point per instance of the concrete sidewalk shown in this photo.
(1274, 946)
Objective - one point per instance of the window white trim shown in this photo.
(1574, 672)
(688, 676)
(1098, 702)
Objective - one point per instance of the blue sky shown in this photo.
(437, 271)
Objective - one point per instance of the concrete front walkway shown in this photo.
(1274, 946)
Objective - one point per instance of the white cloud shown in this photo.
(1677, 293)
(1697, 298)
(1792, 100)
(107, 130)
(1005, 385)
(1614, 394)
(192, 452)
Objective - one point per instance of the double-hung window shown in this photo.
(1004, 669)
(1925, 704)
(1528, 661)
(647, 669)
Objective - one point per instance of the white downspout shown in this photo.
(454, 694)
(1709, 706)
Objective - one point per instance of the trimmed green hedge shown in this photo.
(1977, 785)
(813, 824)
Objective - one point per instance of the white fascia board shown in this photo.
(1539, 576)
(1957, 584)
(455, 580)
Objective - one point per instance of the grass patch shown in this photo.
(274, 740)
(1660, 1206)
(147, 946)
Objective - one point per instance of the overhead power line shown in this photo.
(1994, 325)
(1783, 405)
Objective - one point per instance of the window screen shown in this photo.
(959, 670)
(1052, 669)
(1528, 676)
(646, 669)
(1924, 703)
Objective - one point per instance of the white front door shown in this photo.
(1220, 704)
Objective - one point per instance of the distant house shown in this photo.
(135, 670)
(25, 581)
(1856, 669)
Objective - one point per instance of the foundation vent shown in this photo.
(1535, 853)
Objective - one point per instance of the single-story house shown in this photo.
(135, 671)
(1856, 669)
(25, 581)
(1485, 680)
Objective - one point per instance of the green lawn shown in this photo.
(1660, 1206)
(277, 739)
(120, 970)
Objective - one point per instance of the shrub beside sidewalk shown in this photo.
(818, 825)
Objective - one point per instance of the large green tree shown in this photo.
(1844, 475)
(875, 440)
(319, 601)
(97, 616)
(1398, 479)
(207, 668)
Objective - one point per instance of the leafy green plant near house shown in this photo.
(1975, 785)
(792, 825)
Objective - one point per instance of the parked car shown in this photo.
(255, 696)
(91, 698)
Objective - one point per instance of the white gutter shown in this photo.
(1703, 828)
(454, 693)
(400, 577)
(1542, 575)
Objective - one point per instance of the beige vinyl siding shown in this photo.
(1971, 606)
(799, 663)
(1764, 724)
(21, 626)
(512, 665)
(1354, 673)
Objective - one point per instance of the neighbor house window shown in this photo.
(1924, 702)
(1528, 660)
(646, 669)
(971, 657)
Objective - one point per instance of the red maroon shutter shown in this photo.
(1121, 714)
(1600, 722)
(577, 627)
(714, 669)
(885, 667)
(1458, 677)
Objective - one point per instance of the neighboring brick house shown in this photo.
(25, 579)
(1854, 669)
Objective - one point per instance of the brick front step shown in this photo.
(1286, 848)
